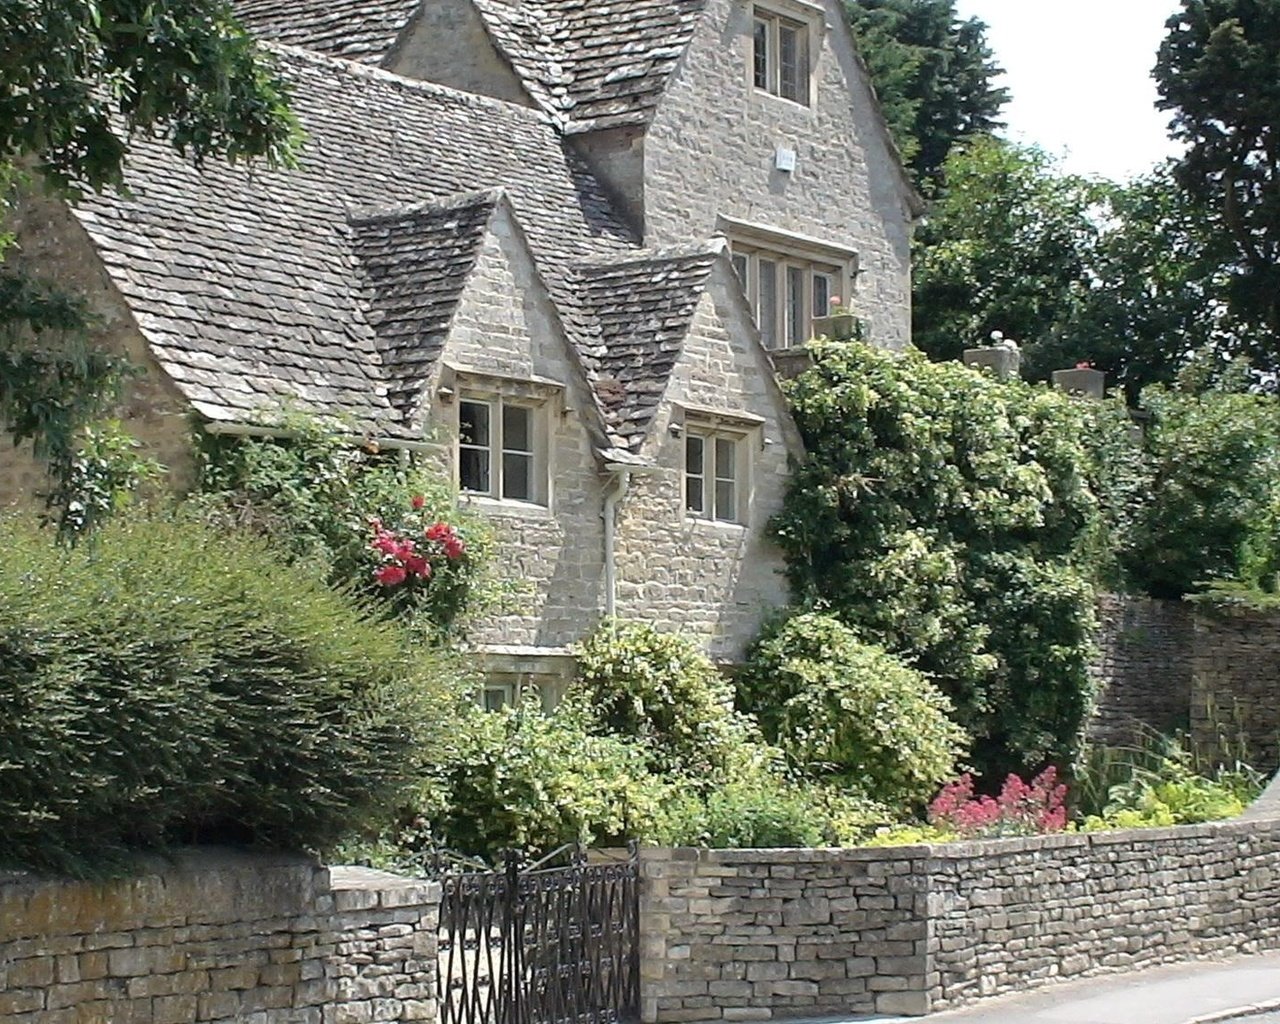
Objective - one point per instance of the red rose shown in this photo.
(454, 547)
(418, 566)
(439, 531)
(390, 575)
(386, 543)
(418, 501)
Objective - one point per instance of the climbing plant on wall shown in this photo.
(951, 519)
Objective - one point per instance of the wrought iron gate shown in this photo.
(541, 944)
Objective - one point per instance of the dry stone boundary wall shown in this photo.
(753, 935)
(219, 937)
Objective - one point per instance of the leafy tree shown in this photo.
(1217, 74)
(1006, 248)
(933, 74)
(949, 518)
(1210, 515)
(78, 79)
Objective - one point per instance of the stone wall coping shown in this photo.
(968, 849)
(184, 860)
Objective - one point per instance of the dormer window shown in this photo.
(780, 56)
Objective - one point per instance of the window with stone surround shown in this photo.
(787, 291)
(503, 440)
(780, 54)
(716, 471)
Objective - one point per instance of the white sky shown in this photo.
(1080, 77)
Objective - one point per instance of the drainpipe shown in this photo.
(619, 483)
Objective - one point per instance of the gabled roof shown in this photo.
(363, 30)
(332, 287)
(593, 63)
(644, 307)
(414, 263)
(253, 286)
(590, 63)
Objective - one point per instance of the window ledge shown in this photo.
(717, 525)
(505, 506)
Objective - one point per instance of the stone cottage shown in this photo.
(556, 244)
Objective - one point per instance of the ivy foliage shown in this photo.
(317, 493)
(172, 683)
(950, 519)
(850, 714)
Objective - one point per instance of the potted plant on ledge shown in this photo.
(840, 324)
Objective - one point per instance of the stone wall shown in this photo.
(1235, 685)
(1143, 667)
(219, 937)
(741, 935)
(1171, 665)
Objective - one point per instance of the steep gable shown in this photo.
(248, 283)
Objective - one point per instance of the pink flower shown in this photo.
(386, 543)
(418, 502)
(418, 566)
(835, 300)
(439, 531)
(390, 575)
(454, 547)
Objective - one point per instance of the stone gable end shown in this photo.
(505, 328)
(712, 152)
(716, 580)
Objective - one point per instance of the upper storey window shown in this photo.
(780, 55)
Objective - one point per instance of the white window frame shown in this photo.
(538, 455)
(711, 436)
(772, 22)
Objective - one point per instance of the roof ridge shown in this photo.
(403, 211)
(405, 83)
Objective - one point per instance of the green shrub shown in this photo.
(318, 496)
(847, 712)
(518, 778)
(170, 683)
(660, 689)
(759, 813)
(952, 519)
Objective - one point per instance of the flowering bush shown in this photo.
(1021, 809)
(415, 554)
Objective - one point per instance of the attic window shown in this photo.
(780, 56)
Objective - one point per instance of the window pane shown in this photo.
(496, 698)
(760, 55)
(768, 314)
(694, 482)
(740, 268)
(517, 429)
(473, 469)
(726, 459)
(821, 294)
(473, 424)
(694, 449)
(726, 510)
(793, 63)
(517, 476)
(795, 307)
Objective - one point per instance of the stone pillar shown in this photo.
(1005, 361)
(1082, 380)
(384, 961)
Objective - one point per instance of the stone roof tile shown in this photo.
(361, 30)
(254, 286)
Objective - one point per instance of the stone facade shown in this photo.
(742, 935)
(1143, 667)
(710, 153)
(219, 937)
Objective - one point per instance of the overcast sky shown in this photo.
(1080, 76)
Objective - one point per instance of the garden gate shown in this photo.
(553, 942)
